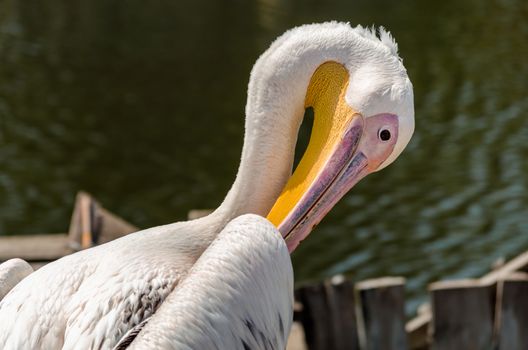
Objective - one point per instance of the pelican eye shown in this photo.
(384, 135)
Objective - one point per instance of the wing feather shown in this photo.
(238, 295)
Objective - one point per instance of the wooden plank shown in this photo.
(417, 331)
(417, 326)
(512, 312)
(341, 308)
(463, 313)
(519, 263)
(380, 313)
(34, 247)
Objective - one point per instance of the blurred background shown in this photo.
(142, 104)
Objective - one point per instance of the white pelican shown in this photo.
(363, 119)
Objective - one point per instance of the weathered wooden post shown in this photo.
(512, 312)
(380, 312)
(315, 317)
(463, 313)
(328, 315)
(340, 297)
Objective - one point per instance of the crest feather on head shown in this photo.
(379, 35)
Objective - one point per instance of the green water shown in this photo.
(142, 104)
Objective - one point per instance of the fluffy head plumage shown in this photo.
(378, 79)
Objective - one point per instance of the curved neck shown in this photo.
(277, 96)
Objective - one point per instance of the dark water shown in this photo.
(141, 104)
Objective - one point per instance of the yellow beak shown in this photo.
(326, 95)
(344, 147)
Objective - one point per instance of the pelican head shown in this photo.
(362, 101)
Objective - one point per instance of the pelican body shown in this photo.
(225, 281)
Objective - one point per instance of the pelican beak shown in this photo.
(344, 147)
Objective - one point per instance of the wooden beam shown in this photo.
(512, 312)
(463, 313)
(34, 247)
(381, 316)
(519, 263)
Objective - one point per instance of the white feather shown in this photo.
(92, 298)
(249, 305)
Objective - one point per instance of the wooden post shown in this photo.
(512, 312)
(315, 317)
(91, 224)
(380, 312)
(463, 313)
(328, 315)
(340, 299)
